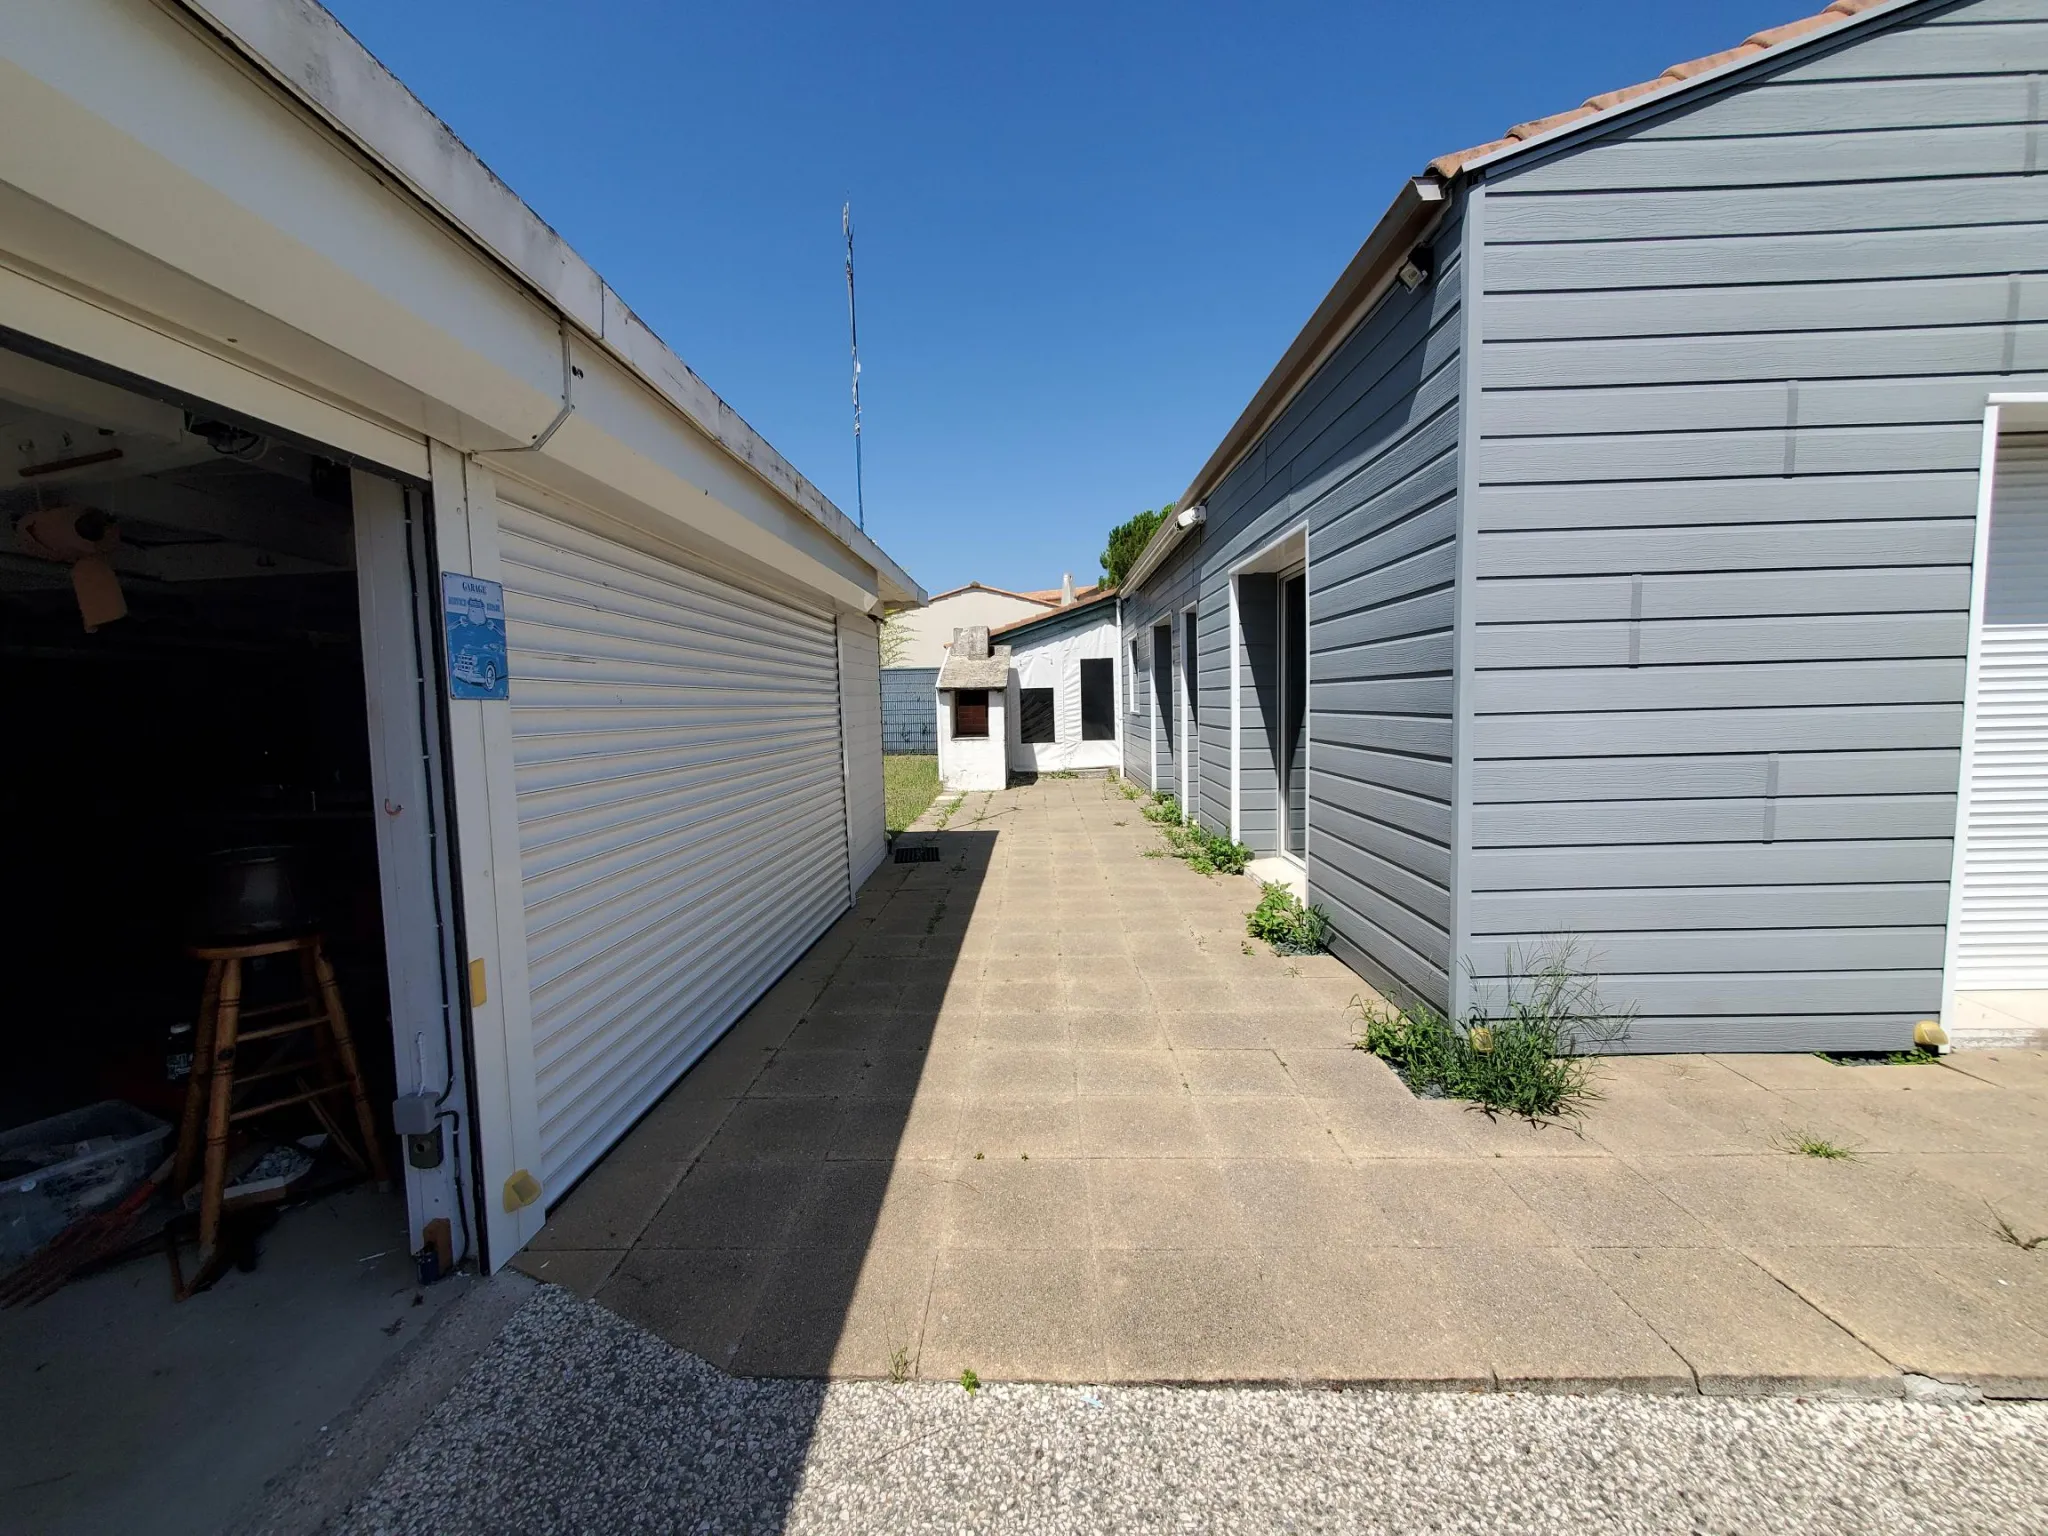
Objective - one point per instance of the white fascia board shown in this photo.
(242, 220)
(309, 52)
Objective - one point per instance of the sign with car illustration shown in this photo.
(473, 612)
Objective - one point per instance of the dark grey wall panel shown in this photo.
(910, 709)
(1734, 367)
(1366, 457)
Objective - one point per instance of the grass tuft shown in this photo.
(2005, 1233)
(1806, 1144)
(910, 782)
(970, 1381)
(1528, 1055)
(1284, 922)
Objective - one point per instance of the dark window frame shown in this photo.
(1037, 706)
(967, 703)
(1099, 724)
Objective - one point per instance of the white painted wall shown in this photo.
(929, 630)
(977, 762)
(1055, 662)
(860, 712)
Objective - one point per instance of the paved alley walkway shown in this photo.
(1038, 1111)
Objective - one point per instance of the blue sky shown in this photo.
(1085, 231)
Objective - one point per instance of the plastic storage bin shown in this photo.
(54, 1171)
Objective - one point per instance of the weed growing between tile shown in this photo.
(1806, 1144)
(1284, 922)
(1530, 1054)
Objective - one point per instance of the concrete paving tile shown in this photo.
(1751, 1119)
(1013, 1315)
(700, 1299)
(1768, 1198)
(1254, 1073)
(1079, 988)
(1116, 1029)
(1021, 1072)
(839, 1313)
(1161, 1203)
(777, 1129)
(1342, 1073)
(867, 1204)
(1791, 1070)
(614, 1202)
(1182, 994)
(1917, 1317)
(2007, 1278)
(1214, 1031)
(1142, 1126)
(1506, 1136)
(810, 1074)
(720, 1074)
(1389, 1126)
(895, 1074)
(907, 1130)
(1101, 939)
(1549, 1322)
(1267, 1127)
(730, 1205)
(1446, 1203)
(1599, 1203)
(1201, 1315)
(1042, 1026)
(1631, 1118)
(1303, 1204)
(1741, 1330)
(1006, 1129)
(2013, 1186)
(1010, 1203)
(1326, 1030)
(1371, 1317)
(1127, 1073)
(2005, 1067)
(581, 1270)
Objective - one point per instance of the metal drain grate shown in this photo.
(917, 855)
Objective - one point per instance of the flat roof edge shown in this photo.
(308, 53)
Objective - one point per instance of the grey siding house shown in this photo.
(1646, 541)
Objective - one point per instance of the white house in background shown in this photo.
(928, 631)
(972, 691)
(1061, 691)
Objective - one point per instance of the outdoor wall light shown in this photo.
(1414, 272)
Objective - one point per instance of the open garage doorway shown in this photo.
(224, 804)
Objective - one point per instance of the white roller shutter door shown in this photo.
(682, 815)
(2002, 918)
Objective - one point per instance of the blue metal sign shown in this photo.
(473, 612)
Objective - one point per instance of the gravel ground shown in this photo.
(578, 1421)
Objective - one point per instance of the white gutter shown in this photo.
(1163, 543)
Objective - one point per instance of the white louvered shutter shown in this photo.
(682, 814)
(2002, 929)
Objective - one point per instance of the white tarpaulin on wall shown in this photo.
(1051, 658)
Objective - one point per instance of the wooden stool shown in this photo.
(210, 1092)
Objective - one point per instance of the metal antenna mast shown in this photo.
(860, 502)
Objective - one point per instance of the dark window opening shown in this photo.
(1035, 714)
(1190, 676)
(970, 712)
(1098, 699)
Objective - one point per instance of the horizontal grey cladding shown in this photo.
(1735, 362)
(1772, 499)
(1697, 909)
(1714, 775)
(1722, 594)
(1970, 247)
(1365, 458)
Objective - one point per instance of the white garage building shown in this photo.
(229, 215)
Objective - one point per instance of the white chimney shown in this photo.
(1067, 590)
